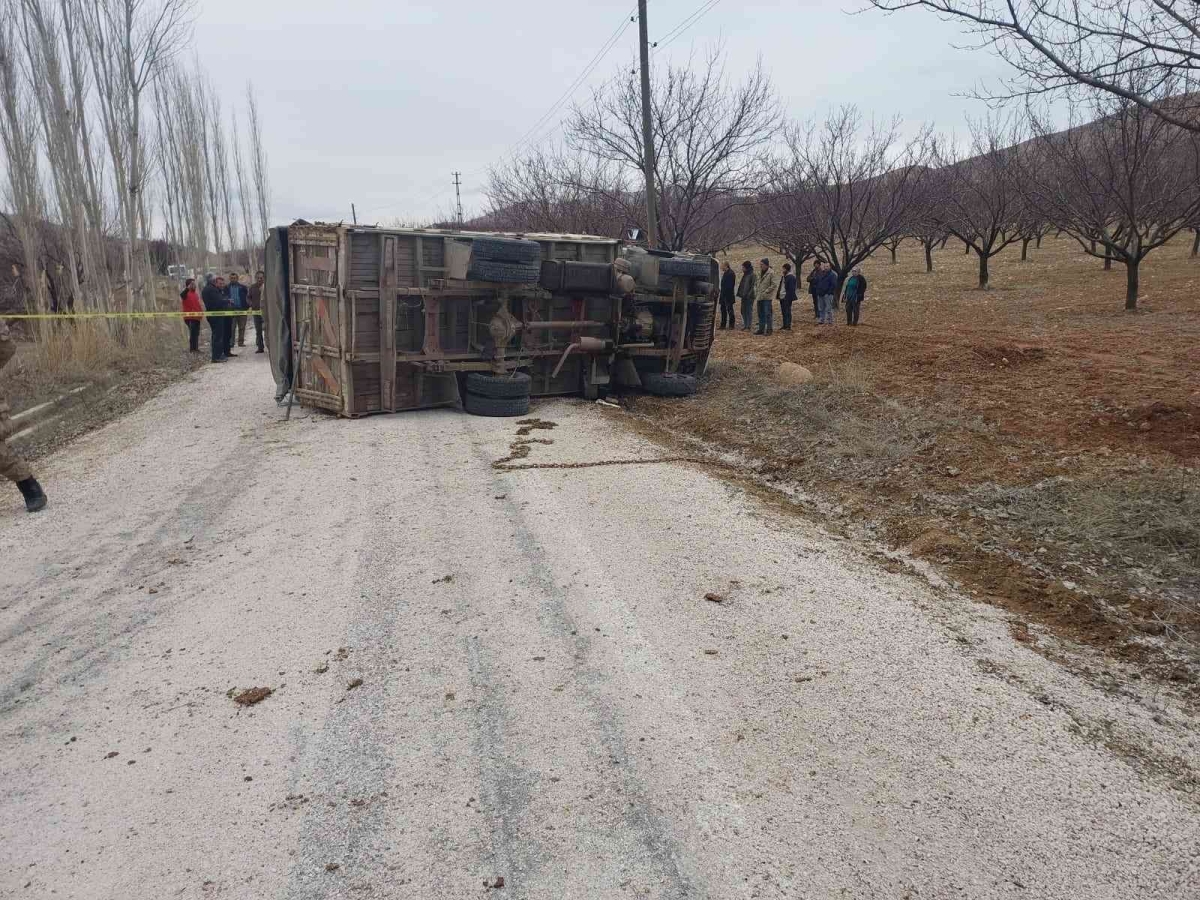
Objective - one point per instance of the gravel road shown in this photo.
(546, 695)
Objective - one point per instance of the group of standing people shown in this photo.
(219, 296)
(762, 288)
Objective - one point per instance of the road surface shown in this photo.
(546, 695)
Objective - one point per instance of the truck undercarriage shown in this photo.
(370, 320)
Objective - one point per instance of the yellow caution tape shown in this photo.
(133, 315)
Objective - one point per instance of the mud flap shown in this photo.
(625, 374)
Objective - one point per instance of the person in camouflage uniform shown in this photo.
(12, 466)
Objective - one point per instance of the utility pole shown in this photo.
(458, 196)
(647, 130)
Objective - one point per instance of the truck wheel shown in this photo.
(499, 387)
(669, 384)
(496, 406)
(506, 250)
(688, 268)
(504, 272)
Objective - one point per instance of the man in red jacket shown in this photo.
(191, 304)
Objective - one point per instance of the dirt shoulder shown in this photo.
(1034, 442)
(83, 381)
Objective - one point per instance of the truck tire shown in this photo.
(504, 272)
(497, 407)
(669, 384)
(688, 268)
(499, 387)
(506, 250)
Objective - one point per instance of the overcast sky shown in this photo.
(379, 101)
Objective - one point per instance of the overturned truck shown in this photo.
(366, 320)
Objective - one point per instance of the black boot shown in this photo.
(35, 497)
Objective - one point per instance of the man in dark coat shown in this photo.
(215, 300)
(827, 288)
(239, 300)
(747, 288)
(728, 295)
(787, 295)
(256, 292)
(813, 277)
(856, 292)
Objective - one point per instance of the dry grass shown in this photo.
(62, 355)
(837, 425)
(70, 353)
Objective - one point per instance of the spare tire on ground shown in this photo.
(688, 268)
(504, 272)
(498, 407)
(499, 387)
(669, 384)
(506, 250)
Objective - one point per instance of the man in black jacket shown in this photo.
(746, 291)
(239, 299)
(215, 301)
(787, 295)
(813, 277)
(728, 296)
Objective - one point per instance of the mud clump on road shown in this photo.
(529, 426)
(251, 696)
(520, 448)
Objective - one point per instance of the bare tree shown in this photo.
(258, 165)
(170, 164)
(210, 110)
(1121, 186)
(129, 42)
(1138, 50)
(983, 203)
(245, 202)
(18, 134)
(222, 185)
(850, 188)
(48, 76)
(708, 136)
(186, 101)
(893, 244)
(552, 190)
(785, 227)
(91, 158)
(1033, 224)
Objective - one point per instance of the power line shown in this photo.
(687, 23)
(604, 50)
(574, 86)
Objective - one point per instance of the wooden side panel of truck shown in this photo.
(386, 320)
